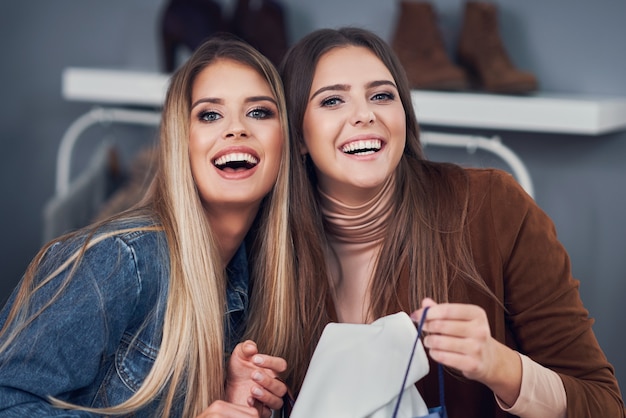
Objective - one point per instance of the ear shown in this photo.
(303, 149)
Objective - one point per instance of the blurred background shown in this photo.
(571, 46)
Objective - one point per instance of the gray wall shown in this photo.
(573, 46)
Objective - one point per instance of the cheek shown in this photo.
(274, 146)
(398, 126)
(317, 133)
(198, 153)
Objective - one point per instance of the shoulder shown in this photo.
(475, 183)
(499, 210)
(498, 183)
(497, 193)
(108, 236)
(123, 254)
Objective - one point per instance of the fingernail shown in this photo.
(257, 392)
(257, 360)
(257, 376)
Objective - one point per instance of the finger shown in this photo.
(249, 348)
(458, 311)
(267, 412)
(461, 362)
(275, 364)
(273, 385)
(267, 398)
(225, 409)
(271, 399)
(245, 350)
(416, 316)
(460, 329)
(438, 342)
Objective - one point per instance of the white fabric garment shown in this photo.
(357, 370)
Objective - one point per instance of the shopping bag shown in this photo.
(356, 371)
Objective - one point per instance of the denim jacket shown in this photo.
(95, 345)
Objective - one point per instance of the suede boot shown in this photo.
(481, 51)
(187, 23)
(262, 24)
(419, 45)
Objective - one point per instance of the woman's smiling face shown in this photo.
(236, 140)
(354, 125)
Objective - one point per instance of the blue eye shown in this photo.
(209, 116)
(331, 101)
(383, 97)
(261, 113)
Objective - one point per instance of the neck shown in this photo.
(355, 234)
(231, 226)
(365, 222)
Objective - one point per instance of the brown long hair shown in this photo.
(427, 240)
(191, 356)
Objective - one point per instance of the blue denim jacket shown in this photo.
(83, 349)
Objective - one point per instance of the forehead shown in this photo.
(349, 65)
(226, 76)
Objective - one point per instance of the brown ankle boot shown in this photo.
(481, 51)
(263, 24)
(187, 23)
(419, 45)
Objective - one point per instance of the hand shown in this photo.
(458, 336)
(252, 379)
(223, 409)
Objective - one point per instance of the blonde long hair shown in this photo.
(191, 356)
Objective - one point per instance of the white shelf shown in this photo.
(119, 87)
(552, 113)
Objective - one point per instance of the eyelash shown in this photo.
(268, 113)
(327, 101)
(204, 116)
(336, 100)
(212, 116)
(387, 96)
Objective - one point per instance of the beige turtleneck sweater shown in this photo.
(355, 234)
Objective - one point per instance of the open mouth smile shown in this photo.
(362, 147)
(237, 161)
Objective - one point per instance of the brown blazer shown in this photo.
(516, 251)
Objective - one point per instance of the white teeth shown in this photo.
(235, 157)
(363, 145)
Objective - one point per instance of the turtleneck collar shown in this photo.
(360, 224)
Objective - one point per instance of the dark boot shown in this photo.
(262, 24)
(419, 45)
(187, 23)
(481, 51)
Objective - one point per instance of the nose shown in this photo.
(236, 129)
(363, 114)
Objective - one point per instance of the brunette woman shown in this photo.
(381, 229)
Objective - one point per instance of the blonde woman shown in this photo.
(138, 315)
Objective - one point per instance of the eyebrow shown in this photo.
(251, 99)
(346, 87)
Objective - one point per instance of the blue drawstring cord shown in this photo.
(440, 410)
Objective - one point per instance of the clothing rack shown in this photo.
(138, 89)
(101, 116)
(490, 144)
